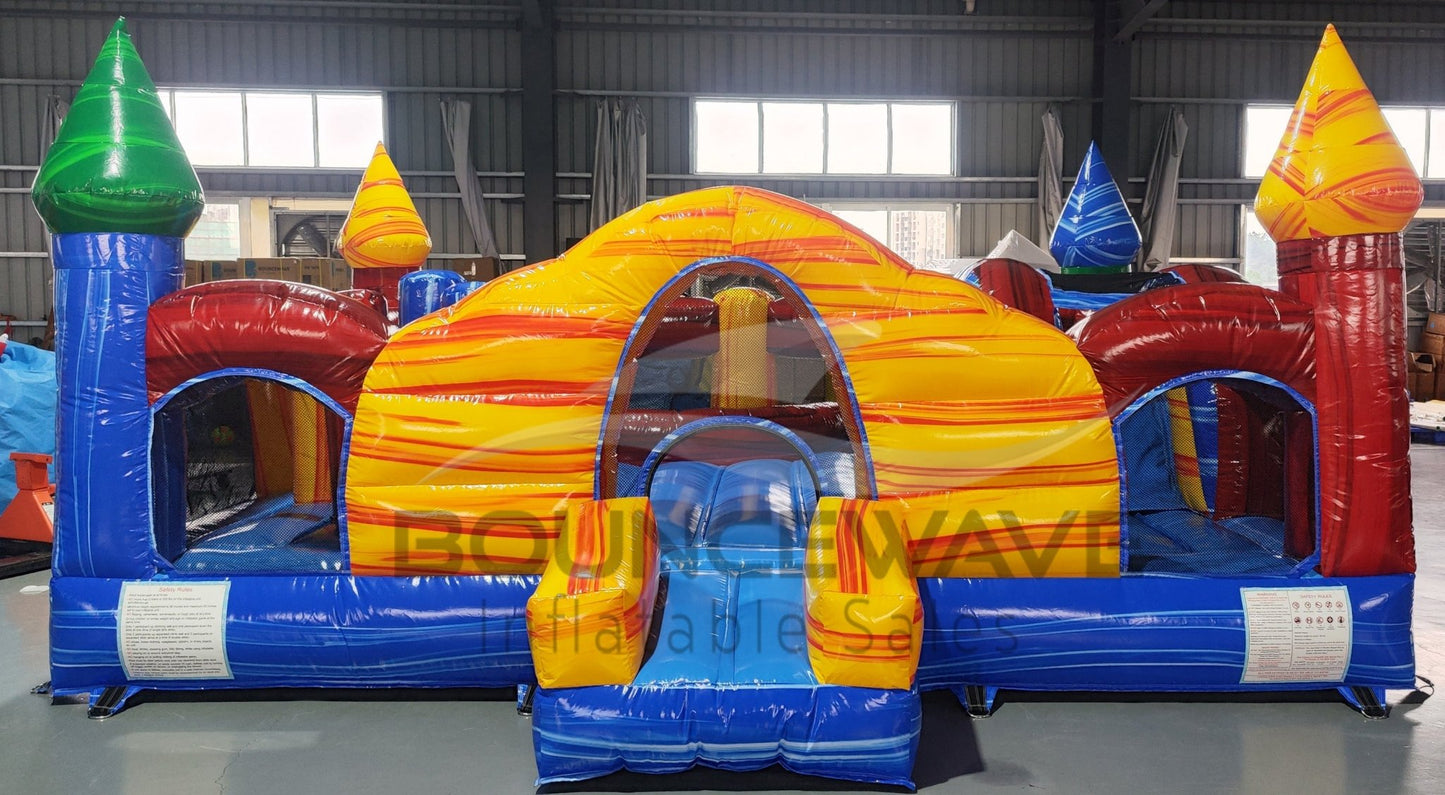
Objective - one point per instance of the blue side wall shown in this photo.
(104, 286)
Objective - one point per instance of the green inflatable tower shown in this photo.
(116, 164)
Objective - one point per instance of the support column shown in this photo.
(539, 130)
(1116, 23)
(1113, 79)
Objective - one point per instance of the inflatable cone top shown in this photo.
(1096, 230)
(383, 229)
(116, 164)
(1339, 169)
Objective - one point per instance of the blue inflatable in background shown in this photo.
(426, 291)
(460, 290)
(1096, 231)
(27, 408)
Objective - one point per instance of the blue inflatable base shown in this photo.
(322, 630)
(1141, 632)
(850, 733)
(736, 707)
(1137, 632)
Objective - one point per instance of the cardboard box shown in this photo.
(1421, 386)
(476, 269)
(1433, 344)
(285, 269)
(314, 271)
(333, 274)
(340, 274)
(1436, 323)
(1421, 377)
(226, 269)
(208, 270)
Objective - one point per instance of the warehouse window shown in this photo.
(276, 129)
(919, 233)
(1258, 250)
(807, 137)
(217, 235)
(1421, 132)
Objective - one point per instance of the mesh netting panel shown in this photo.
(1205, 483)
(244, 478)
(732, 342)
(220, 466)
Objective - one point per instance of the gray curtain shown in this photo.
(1051, 177)
(457, 121)
(619, 162)
(55, 110)
(1161, 197)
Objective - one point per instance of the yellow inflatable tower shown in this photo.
(383, 236)
(1339, 169)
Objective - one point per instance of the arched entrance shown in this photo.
(246, 472)
(1220, 477)
(730, 337)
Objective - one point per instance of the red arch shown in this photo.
(1150, 338)
(1017, 285)
(1201, 272)
(325, 339)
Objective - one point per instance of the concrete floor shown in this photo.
(389, 743)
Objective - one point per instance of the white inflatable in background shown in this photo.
(1017, 247)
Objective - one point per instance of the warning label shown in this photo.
(174, 630)
(1296, 634)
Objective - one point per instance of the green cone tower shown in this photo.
(119, 195)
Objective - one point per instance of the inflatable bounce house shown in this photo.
(728, 483)
(27, 447)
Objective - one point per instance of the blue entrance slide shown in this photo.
(727, 682)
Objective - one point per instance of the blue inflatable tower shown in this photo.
(119, 196)
(1096, 233)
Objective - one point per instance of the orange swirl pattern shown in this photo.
(479, 425)
(1339, 169)
(864, 619)
(588, 619)
(383, 229)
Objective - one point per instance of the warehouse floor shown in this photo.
(475, 742)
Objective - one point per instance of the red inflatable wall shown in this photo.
(1356, 284)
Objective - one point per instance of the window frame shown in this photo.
(1425, 164)
(167, 97)
(823, 104)
(951, 211)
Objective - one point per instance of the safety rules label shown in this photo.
(1296, 634)
(174, 630)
